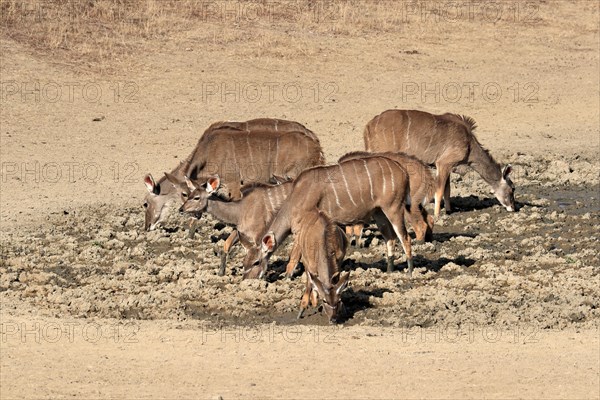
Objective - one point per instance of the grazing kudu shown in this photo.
(350, 192)
(323, 246)
(250, 215)
(444, 141)
(252, 151)
(421, 184)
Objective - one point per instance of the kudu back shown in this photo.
(349, 192)
(422, 188)
(444, 141)
(240, 153)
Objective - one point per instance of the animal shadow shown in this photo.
(437, 264)
(446, 236)
(356, 301)
(471, 203)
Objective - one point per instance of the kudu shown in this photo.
(444, 141)
(250, 215)
(323, 246)
(350, 192)
(421, 187)
(239, 152)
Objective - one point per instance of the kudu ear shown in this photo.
(151, 185)
(506, 170)
(278, 180)
(213, 183)
(268, 242)
(343, 282)
(173, 179)
(315, 283)
(189, 184)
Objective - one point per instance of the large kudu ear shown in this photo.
(278, 180)
(316, 284)
(189, 184)
(343, 282)
(506, 170)
(173, 179)
(268, 242)
(213, 183)
(151, 185)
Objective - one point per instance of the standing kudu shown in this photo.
(239, 152)
(350, 192)
(250, 215)
(444, 141)
(323, 246)
(422, 186)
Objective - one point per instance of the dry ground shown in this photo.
(501, 305)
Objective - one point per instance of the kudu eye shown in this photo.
(145, 205)
(197, 198)
(184, 194)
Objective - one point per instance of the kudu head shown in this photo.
(155, 203)
(255, 262)
(505, 190)
(195, 197)
(331, 294)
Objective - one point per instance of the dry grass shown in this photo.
(99, 34)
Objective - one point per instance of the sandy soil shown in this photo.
(501, 305)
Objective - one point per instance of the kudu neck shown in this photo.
(227, 212)
(485, 165)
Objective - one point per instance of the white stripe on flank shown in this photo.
(337, 199)
(277, 151)
(408, 131)
(235, 160)
(391, 174)
(382, 173)
(346, 184)
(270, 200)
(358, 182)
(429, 145)
(370, 180)
(329, 206)
(249, 148)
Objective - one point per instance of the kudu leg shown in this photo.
(306, 297)
(229, 242)
(193, 228)
(295, 256)
(385, 227)
(355, 232)
(443, 175)
(447, 205)
(396, 218)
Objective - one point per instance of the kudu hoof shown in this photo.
(300, 314)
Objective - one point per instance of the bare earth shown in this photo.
(501, 305)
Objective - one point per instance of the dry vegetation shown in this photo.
(99, 35)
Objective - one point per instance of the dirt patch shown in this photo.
(486, 266)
